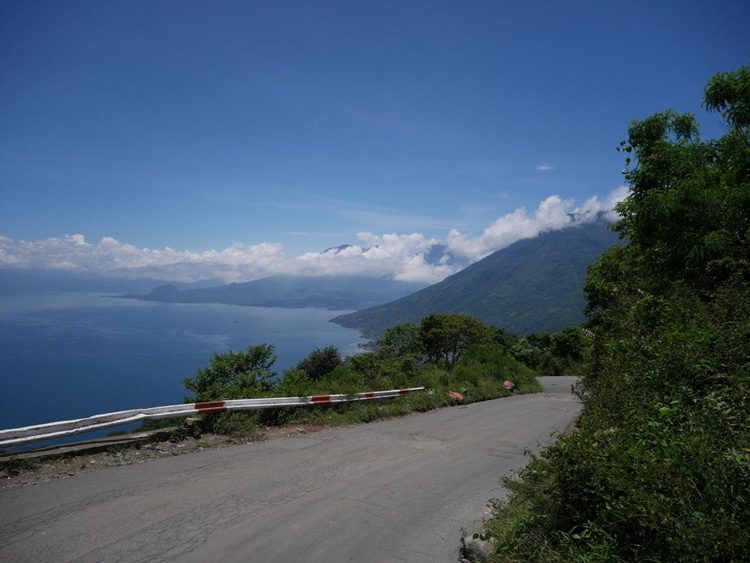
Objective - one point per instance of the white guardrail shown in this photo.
(16, 436)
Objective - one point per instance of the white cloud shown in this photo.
(545, 167)
(552, 213)
(418, 270)
(401, 256)
(110, 256)
(594, 205)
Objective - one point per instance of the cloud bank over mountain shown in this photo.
(553, 213)
(405, 257)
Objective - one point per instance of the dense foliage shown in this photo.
(234, 375)
(659, 469)
(448, 338)
(444, 352)
(555, 353)
(320, 362)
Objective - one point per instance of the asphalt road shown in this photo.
(397, 490)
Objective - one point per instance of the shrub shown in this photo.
(234, 375)
(239, 424)
(320, 362)
(397, 361)
(659, 469)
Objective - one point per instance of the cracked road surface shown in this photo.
(396, 490)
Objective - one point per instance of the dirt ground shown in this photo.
(30, 469)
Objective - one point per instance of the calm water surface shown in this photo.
(74, 355)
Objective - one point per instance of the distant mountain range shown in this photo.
(533, 285)
(328, 292)
(15, 281)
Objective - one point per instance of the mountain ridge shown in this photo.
(18, 281)
(533, 285)
(328, 292)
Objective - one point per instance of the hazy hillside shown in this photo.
(329, 292)
(26, 280)
(533, 285)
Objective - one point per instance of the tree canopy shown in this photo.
(320, 362)
(234, 375)
(687, 215)
(447, 338)
(658, 469)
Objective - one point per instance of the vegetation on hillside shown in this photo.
(659, 467)
(554, 353)
(534, 285)
(444, 353)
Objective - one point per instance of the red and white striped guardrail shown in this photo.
(16, 436)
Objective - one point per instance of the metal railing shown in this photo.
(26, 434)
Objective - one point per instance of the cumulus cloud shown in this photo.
(400, 256)
(552, 213)
(594, 206)
(405, 257)
(110, 256)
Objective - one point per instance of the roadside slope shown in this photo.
(394, 490)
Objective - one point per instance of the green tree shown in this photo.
(447, 338)
(658, 469)
(686, 217)
(401, 340)
(670, 311)
(729, 93)
(395, 357)
(554, 353)
(505, 339)
(234, 375)
(320, 362)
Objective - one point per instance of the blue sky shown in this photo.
(285, 128)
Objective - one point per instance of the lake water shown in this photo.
(73, 355)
